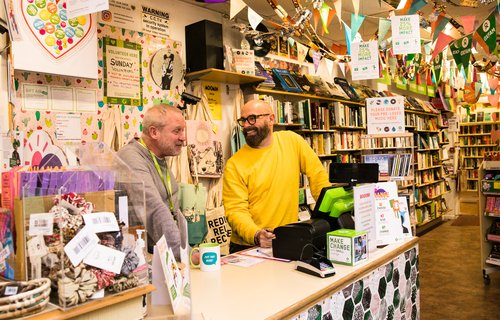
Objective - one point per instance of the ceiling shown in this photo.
(369, 8)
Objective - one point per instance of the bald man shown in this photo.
(261, 180)
(163, 135)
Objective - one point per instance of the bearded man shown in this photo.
(261, 180)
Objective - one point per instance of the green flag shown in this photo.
(488, 34)
(437, 64)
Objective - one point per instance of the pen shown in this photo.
(264, 253)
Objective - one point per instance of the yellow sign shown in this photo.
(212, 90)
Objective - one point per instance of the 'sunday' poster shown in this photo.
(122, 72)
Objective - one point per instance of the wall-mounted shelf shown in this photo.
(308, 96)
(217, 75)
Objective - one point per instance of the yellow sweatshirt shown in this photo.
(261, 186)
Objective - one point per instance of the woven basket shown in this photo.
(27, 302)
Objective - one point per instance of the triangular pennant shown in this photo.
(254, 18)
(437, 64)
(355, 5)
(347, 37)
(356, 21)
(402, 4)
(442, 41)
(493, 99)
(493, 83)
(316, 18)
(316, 59)
(329, 66)
(439, 27)
(235, 7)
(301, 51)
(416, 5)
(487, 34)
(338, 9)
(383, 27)
(342, 68)
(324, 12)
(468, 23)
(461, 50)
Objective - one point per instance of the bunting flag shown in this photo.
(438, 25)
(404, 5)
(437, 65)
(493, 83)
(355, 5)
(487, 34)
(356, 22)
(347, 37)
(301, 52)
(329, 66)
(461, 51)
(235, 7)
(493, 100)
(254, 18)
(442, 41)
(316, 18)
(416, 5)
(316, 56)
(324, 13)
(468, 23)
(342, 68)
(338, 9)
(383, 27)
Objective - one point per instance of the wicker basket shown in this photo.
(27, 302)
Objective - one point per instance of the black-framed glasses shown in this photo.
(251, 119)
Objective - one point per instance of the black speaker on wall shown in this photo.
(204, 46)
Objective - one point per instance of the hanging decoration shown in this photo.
(487, 34)
(356, 22)
(235, 7)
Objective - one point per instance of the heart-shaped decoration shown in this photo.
(48, 22)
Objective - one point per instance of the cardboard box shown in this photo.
(347, 246)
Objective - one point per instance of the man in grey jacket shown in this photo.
(163, 135)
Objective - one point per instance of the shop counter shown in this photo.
(387, 283)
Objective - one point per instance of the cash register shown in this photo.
(306, 240)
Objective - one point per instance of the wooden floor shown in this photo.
(451, 280)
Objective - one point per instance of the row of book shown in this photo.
(475, 140)
(427, 160)
(426, 142)
(427, 176)
(481, 116)
(426, 213)
(492, 205)
(386, 142)
(494, 256)
(421, 123)
(428, 193)
(328, 143)
(391, 164)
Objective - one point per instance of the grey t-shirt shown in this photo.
(159, 218)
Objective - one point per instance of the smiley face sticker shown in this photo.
(48, 22)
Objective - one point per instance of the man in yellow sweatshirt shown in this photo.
(261, 180)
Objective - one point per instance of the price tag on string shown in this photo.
(41, 224)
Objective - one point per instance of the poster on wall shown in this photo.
(54, 43)
(365, 60)
(122, 72)
(35, 97)
(385, 115)
(212, 90)
(405, 34)
(166, 68)
(77, 8)
(155, 21)
(121, 14)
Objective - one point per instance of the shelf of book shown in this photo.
(217, 75)
(489, 220)
(306, 96)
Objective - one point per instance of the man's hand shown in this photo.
(264, 238)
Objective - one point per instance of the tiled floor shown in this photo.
(451, 280)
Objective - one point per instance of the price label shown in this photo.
(105, 258)
(101, 221)
(10, 291)
(36, 247)
(41, 224)
(81, 245)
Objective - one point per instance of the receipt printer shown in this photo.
(298, 241)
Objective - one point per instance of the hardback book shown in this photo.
(384, 162)
(480, 116)
(318, 86)
(286, 80)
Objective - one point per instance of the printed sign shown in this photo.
(121, 14)
(365, 60)
(385, 115)
(122, 72)
(155, 21)
(405, 34)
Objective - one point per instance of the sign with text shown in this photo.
(155, 21)
(121, 14)
(122, 72)
(365, 60)
(385, 115)
(405, 34)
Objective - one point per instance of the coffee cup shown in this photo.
(209, 257)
